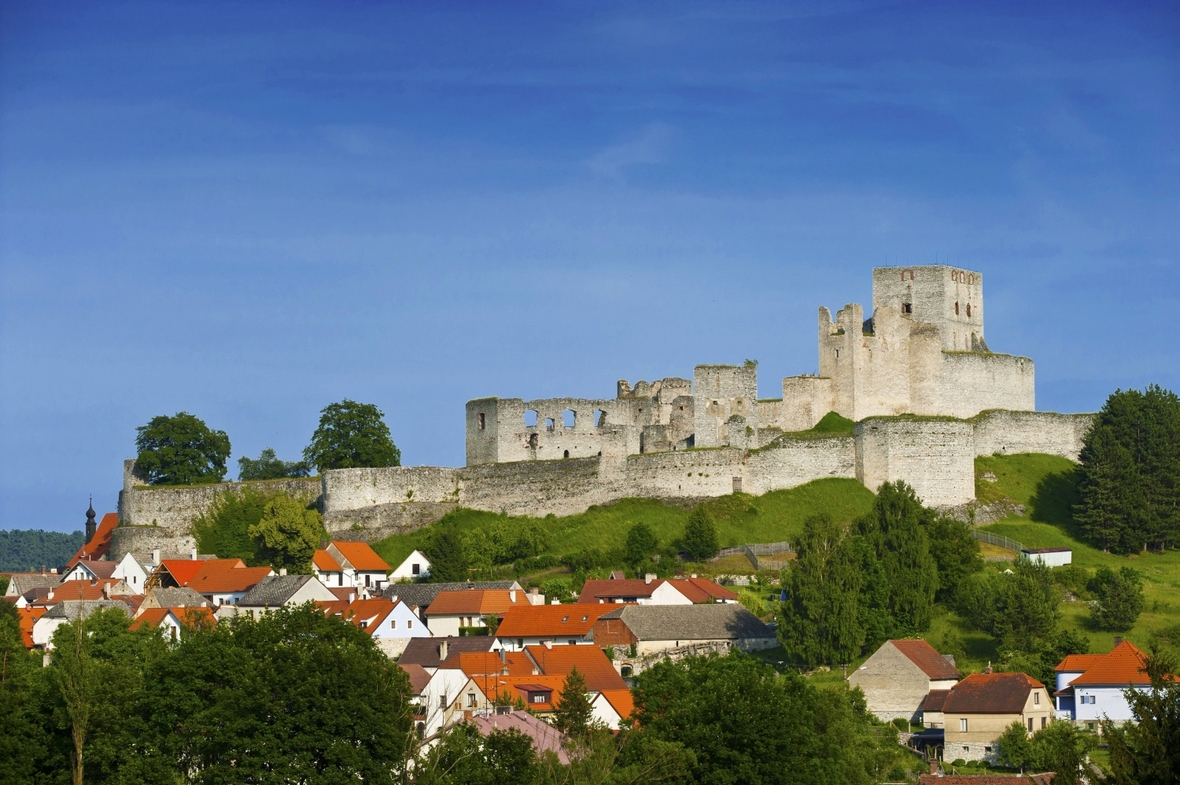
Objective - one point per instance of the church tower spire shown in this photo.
(91, 525)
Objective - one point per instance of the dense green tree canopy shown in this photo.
(288, 533)
(26, 550)
(641, 543)
(897, 530)
(1146, 750)
(448, 560)
(268, 466)
(1118, 596)
(700, 535)
(180, 450)
(351, 435)
(574, 712)
(1130, 472)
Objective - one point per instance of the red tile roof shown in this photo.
(364, 614)
(100, 543)
(361, 556)
(551, 621)
(184, 570)
(419, 677)
(495, 685)
(28, 617)
(1122, 666)
(1078, 663)
(935, 700)
(594, 591)
(324, 562)
(621, 700)
(188, 617)
(595, 668)
(485, 663)
(699, 590)
(222, 576)
(991, 693)
(476, 602)
(97, 568)
(85, 590)
(927, 658)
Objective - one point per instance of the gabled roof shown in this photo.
(596, 669)
(223, 576)
(360, 556)
(608, 590)
(419, 677)
(365, 614)
(622, 701)
(700, 590)
(690, 622)
(482, 663)
(184, 570)
(927, 658)
(99, 569)
(324, 562)
(425, 651)
(421, 595)
(551, 621)
(273, 591)
(21, 583)
(186, 616)
(545, 737)
(991, 693)
(86, 590)
(72, 609)
(1122, 666)
(478, 602)
(935, 700)
(345, 594)
(28, 617)
(1077, 663)
(100, 543)
(176, 597)
(495, 685)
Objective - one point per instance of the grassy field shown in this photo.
(741, 518)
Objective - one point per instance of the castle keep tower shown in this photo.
(949, 298)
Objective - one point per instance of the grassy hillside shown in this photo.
(741, 518)
(1047, 486)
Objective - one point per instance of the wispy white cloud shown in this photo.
(650, 146)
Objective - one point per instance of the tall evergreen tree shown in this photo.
(897, 530)
(448, 560)
(574, 713)
(700, 535)
(821, 614)
(1146, 751)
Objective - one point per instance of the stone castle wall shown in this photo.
(936, 457)
(1008, 433)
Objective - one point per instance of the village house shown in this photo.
(452, 611)
(174, 621)
(179, 597)
(345, 563)
(126, 569)
(899, 675)
(980, 707)
(532, 625)
(421, 595)
(412, 568)
(611, 708)
(390, 623)
(1090, 686)
(277, 591)
(430, 653)
(544, 736)
(225, 581)
(651, 590)
(682, 629)
(448, 697)
(68, 611)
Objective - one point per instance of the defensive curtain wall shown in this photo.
(918, 377)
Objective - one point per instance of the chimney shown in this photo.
(352, 597)
(282, 571)
(1118, 640)
(647, 579)
(193, 554)
(555, 601)
(988, 669)
(694, 575)
(512, 596)
(442, 651)
(50, 595)
(106, 591)
(156, 556)
(501, 655)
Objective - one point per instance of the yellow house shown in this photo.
(980, 707)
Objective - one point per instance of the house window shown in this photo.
(1044, 721)
(367, 580)
(962, 725)
(539, 697)
(572, 641)
(1030, 724)
(1036, 699)
(442, 701)
(471, 700)
(415, 569)
(393, 624)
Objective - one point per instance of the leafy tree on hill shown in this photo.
(700, 535)
(1119, 598)
(31, 549)
(268, 466)
(288, 533)
(224, 529)
(19, 735)
(955, 552)
(448, 561)
(1146, 750)
(1129, 488)
(897, 530)
(641, 543)
(351, 435)
(574, 713)
(1028, 606)
(180, 450)
(821, 615)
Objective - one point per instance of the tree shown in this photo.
(1016, 749)
(1060, 747)
(268, 466)
(897, 530)
(821, 615)
(293, 696)
(351, 435)
(1028, 606)
(1129, 488)
(180, 450)
(700, 535)
(224, 528)
(448, 562)
(288, 533)
(465, 757)
(1119, 598)
(18, 668)
(641, 543)
(32, 549)
(1146, 750)
(574, 713)
(955, 552)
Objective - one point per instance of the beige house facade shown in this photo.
(898, 676)
(981, 707)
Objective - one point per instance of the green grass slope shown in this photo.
(741, 518)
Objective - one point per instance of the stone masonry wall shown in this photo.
(1007, 433)
(971, 382)
(936, 457)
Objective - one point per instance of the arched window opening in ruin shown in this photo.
(482, 421)
(565, 454)
(907, 307)
(971, 279)
(968, 310)
(532, 441)
(956, 307)
(530, 418)
(599, 418)
(568, 418)
(549, 423)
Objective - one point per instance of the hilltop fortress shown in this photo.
(918, 378)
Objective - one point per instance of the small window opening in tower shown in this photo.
(968, 310)
(565, 454)
(956, 307)
(907, 307)
(530, 418)
(482, 421)
(549, 423)
(837, 353)
(532, 441)
(599, 418)
(971, 279)
(568, 418)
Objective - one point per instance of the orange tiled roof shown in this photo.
(184, 570)
(219, 576)
(495, 685)
(84, 590)
(475, 602)
(28, 617)
(186, 616)
(1122, 666)
(484, 663)
(149, 618)
(365, 614)
(361, 556)
(927, 658)
(621, 700)
(596, 669)
(700, 590)
(550, 621)
(593, 590)
(1078, 663)
(100, 543)
(324, 562)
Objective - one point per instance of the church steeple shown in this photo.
(91, 525)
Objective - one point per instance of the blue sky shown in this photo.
(250, 210)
